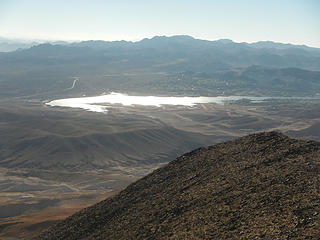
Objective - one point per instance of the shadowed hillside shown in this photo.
(263, 186)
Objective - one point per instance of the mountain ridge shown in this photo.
(258, 44)
(261, 186)
(160, 65)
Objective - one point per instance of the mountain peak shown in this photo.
(260, 186)
(175, 38)
(224, 41)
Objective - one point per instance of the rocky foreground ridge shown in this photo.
(262, 186)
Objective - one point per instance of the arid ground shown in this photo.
(55, 161)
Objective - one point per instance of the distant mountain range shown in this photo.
(262, 186)
(186, 66)
(8, 44)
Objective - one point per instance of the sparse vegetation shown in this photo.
(263, 186)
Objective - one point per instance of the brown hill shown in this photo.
(262, 186)
(61, 140)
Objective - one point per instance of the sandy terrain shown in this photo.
(55, 161)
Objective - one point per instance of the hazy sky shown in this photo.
(294, 21)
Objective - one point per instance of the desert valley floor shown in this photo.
(47, 170)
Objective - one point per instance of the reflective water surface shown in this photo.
(100, 103)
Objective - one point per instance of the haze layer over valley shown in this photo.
(56, 160)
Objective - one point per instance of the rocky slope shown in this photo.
(262, 186)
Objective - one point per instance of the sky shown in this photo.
(286, 21)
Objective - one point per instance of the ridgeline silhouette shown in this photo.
(262, 186)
